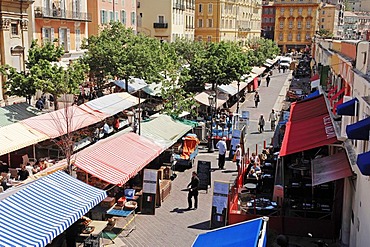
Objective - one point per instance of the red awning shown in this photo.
(309, 126)
(315, 77)
(117, 159)
(330, 168)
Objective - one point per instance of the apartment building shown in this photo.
(350, 25)
(328, 19)
(340, 6)
(64, 20)
(105, 11)
(233, 20)
(15, 36)
(295, 23)
(166, 20)
(268, 19)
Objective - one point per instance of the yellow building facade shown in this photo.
(328, 16)
(232, 20)
(296, 22)
(15, 36)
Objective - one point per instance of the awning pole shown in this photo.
(34, 151)
(9, 159)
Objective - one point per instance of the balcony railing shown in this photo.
(160, 25)
(41, 12)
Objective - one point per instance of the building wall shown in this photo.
(105, 11)
(268, 20)
(203, 17)
(15, 26)
(328, 17)
(295, 23)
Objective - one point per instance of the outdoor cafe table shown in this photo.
(128, 216)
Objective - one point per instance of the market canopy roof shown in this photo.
(330, 168)
(58, 123)
(203, 98)
(17, 136)
(228, 89)
(110, 104)
(164, 130)
(359, 130)
(134, 84)
(363, 163)
(17, 112)
(41, 211)
(246, 234)
(118, 158)
(309, 126)
(153, 89)
(348, 108)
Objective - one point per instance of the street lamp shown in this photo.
(237, 104)
(212, 100)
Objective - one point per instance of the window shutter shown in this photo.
(68, 39)
(60, 36)
(43, 33)
(52, 35)
(101, 17)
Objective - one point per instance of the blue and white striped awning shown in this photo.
(41, 211)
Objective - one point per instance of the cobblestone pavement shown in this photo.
(172, 224)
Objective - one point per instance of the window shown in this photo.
(309, 11)
(14, 28)
(200, 8)
(133, 18)
(47, 34)
(300, 11)
(308, 36)
(322, 19)
(323, 12)
(291, 11)
(282, 10)
(78, 39)
(160, 19)
(290, 36)
(308, 24)
(123, 16)
(210, 8)
(280, 36)
(123, 2)
(116, 16)
(299, 24)
(103, 16)
(200, 23)
(290, 24)
(209, 39)
(322, 26)
(298, 38)
(271, 20)
(281, 24)
(210, 23)
(111, 16)
(109, 1)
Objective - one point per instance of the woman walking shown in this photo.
(261, 123)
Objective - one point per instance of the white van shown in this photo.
(285, 62)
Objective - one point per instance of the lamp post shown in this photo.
(237, 104)
(211, 99)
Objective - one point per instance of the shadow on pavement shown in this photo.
(229, 171)
(201, 226)
(255, 133)
(180, 210)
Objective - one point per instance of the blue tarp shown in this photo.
(347, 108)
(363, 163)
(245, 234)
(314, 94)
(359, 130)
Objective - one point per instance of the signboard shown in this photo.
(219, 204)
(204, 174)
(149, 191)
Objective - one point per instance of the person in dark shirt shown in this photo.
(23, 173)
(193, 191)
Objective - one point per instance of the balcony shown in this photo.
(54, 13)
(160, 25)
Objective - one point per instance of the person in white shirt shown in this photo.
(222, 148)
(238, 156)
(106, 129)
(273, 118)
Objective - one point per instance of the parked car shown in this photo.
(285, 62)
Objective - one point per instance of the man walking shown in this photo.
(256, 99)
(261, 123)
(193, 191)
(273, 119)
(268, 80)
(222, 148)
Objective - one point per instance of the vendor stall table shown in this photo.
(94, 237)
(128, 215)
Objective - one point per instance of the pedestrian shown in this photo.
(40, 104)
(261, 123)
(284, 68)
(270, 73)
(272, 119)
(116, 123)
(279, 68)
(193, 190)
(268, 80)
(238, 156)
(105, 129)
(256, 99)
(222, 148)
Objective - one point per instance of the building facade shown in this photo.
(268, 20)
(15, 36)
(328, 19)
(295, 23)
(219, 20)
(105, 11)
(166, 20)
(350, 25)
(64, 20)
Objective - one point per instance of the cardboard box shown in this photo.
(108, 202)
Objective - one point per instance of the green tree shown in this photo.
(325, 33)
(261, 49)
(44, 74)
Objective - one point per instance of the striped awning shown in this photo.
(17, 136)
(41, 211)
(118, 158)
(58, 123)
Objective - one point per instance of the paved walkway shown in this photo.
(172, 224)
